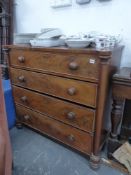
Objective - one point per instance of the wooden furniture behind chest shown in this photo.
(6, 32)
(121, 121)
(62, 92)
(5, 146)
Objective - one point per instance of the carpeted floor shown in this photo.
(34, 154)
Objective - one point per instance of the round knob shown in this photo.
(71, 91)
(26, 117)
(73, 66)
(21, 59)
(24, 98)
(21, 78)
(71, 115)
(71, 138)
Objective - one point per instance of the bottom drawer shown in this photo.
(73, 137)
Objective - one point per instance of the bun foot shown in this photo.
(19, 126)
(95, 162)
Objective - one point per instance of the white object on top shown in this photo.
(49, 33)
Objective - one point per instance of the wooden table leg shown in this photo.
(116, 119)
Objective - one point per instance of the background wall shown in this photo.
(111, 17)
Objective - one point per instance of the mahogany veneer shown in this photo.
(62, 92)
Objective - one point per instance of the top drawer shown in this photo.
(79, 66)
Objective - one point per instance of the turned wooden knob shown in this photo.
(71, 138)
(21, 59)
(26, 117)
(73, 66)
(24, 99)
(71, 91)
(71, 115)
(21, 78)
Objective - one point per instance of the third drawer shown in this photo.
(69, 113)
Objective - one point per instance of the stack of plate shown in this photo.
(23, 38)
(49, 37)
(52, 42)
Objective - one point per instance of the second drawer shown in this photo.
(73, 90)
(75, 115)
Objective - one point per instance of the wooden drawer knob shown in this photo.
(71, 91)
(21, 78)
(71, 138)
(24, 99)
(26, 117)
(73, 66)
(21, 59)
(71, 115)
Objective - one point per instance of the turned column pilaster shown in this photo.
(102, 94)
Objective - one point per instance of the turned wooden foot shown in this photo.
(95, 162)
(19, 125)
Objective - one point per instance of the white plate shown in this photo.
(82, 1)
(47, 42)
(77, 43)
(49, 33)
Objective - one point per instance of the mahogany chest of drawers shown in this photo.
(62, 92)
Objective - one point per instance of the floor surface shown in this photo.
(34, 154)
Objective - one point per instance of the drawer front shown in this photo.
(74, 90)
(80, 66)
(73, 137)
(75, 115)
